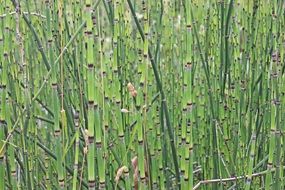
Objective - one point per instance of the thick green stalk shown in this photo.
(89, 41)
(76, 159)
(3, 90)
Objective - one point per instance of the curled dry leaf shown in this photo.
(132, 89)
(134, 93)
(136, 171)
(136, 178)
(120, 172)
(135, 162)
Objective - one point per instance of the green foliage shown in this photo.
(151, 94)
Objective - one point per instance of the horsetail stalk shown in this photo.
(4, 69)
(187, 132)
(272, 130)
(100, 125)
(76, 159)
(92, 101)
(143, 99)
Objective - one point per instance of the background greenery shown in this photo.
(142, 94)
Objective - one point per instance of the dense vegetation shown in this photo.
(150, 94)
